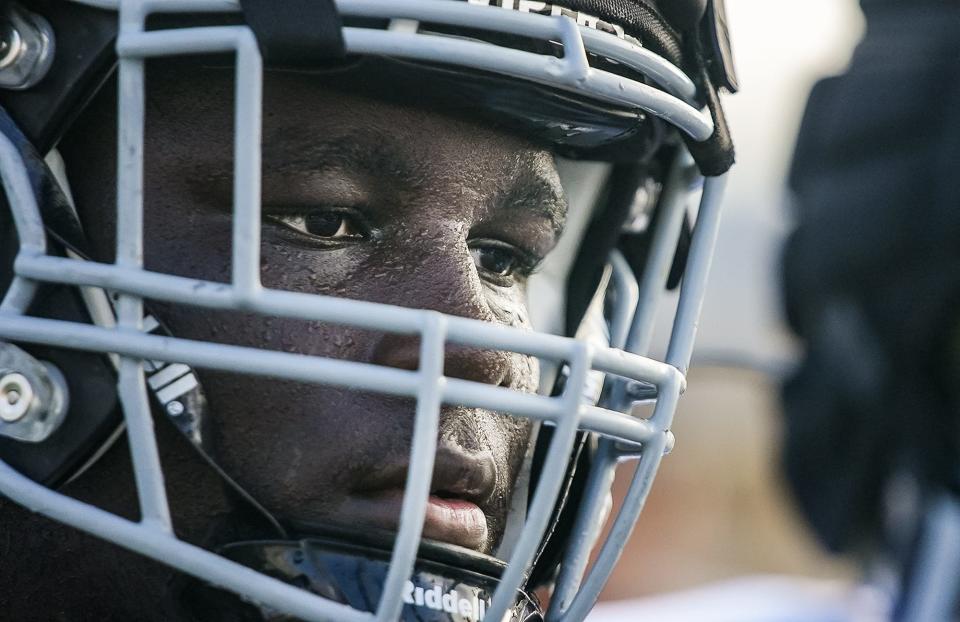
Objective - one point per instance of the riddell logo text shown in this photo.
(474, 608)
(547, 8)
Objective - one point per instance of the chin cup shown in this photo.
(448, 583)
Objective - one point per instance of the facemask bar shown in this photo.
(153, 536)
(572, 600)
(634, 337)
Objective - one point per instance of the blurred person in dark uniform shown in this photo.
(872, 286)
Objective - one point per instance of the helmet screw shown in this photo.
(175, 409)
(33, 396)
(26, 48)
(16, 397)
(671, 442)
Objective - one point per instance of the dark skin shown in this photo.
(361, 200)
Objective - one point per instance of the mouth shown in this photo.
(462, 486)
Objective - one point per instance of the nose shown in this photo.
(447, 282)
(492, 367)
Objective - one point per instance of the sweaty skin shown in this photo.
(361, 200)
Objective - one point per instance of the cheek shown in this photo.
(289, 267)
(185, 240)
(297, 448)
(194, 241)
(516, 433)
(508, 305)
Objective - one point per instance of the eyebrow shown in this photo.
(532, 190)
(358, 150)
(365, 151)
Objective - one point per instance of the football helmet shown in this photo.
(631, 83)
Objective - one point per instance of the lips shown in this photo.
(462, 486)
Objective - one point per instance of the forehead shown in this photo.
(311, 129)
(306, 121)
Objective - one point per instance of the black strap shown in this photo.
(599, 239)
(719, 49)
(295, 32)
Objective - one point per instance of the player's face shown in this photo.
(367, 201)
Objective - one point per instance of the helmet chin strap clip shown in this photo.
(33, 396)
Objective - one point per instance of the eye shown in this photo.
(500, 260)
(328, 224)
(495, 260)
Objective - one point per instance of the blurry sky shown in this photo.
(781, 47)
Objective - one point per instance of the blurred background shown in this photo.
(719, 512)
